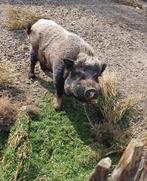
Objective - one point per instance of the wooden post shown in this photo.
(129, 162)
(101, 170)
(144, 171)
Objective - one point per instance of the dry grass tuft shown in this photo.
(20, 18)
(113, 131)
(113, 109)
(110, 135)
(108, 82)
(134, 3)
(7, 113)
(6, 76)
(110, 104)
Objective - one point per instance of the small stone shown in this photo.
(73, 23)
(131, 92)
(28, 82)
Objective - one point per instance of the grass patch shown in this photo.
(54, 146)
(20, 18)
(16, 159)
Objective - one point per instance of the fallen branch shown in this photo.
(114, 152)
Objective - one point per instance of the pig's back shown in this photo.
(44, 26)
(44, 32)
(51, 38)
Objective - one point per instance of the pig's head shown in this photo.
(82, 82)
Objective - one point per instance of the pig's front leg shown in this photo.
(58, 79)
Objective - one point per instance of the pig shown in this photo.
(71, 60)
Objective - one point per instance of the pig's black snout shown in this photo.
(91, 93)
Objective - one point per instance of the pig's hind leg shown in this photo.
(33, 61)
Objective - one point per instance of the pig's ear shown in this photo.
(103, 67)
(68, 63)
(99, 71)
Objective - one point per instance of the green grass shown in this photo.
(64, 146)
(16, 158)
(53, 147)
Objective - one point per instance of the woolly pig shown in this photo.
(71, 60)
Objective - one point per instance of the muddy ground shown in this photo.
(117, 32)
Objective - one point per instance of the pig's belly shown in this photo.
(45, 63)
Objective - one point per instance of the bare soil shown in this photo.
(117, 32)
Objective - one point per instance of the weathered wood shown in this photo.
(144, 171)
(139, 171)
(129, 162)
(101, 170)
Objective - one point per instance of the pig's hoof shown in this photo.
(57, 104)
(32, 76)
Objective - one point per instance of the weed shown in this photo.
(111, 105)
(134, 3)
(7, 113)
(20, 18)
(108, 82)
(6, 76)
(114, 110)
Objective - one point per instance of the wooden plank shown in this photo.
(144, 171)
(101, 170)
(129, 162)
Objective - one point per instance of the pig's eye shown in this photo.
(84, 69)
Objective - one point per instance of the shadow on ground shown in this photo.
(13, 92)
(48, 85)
(75, 112)
(3, 141)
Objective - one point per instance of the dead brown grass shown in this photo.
(113, 132)
(5, 74)
(108, 82)
(110, 104)
(134, 3)
(7, 112)
(20, 18)
(110, 135)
